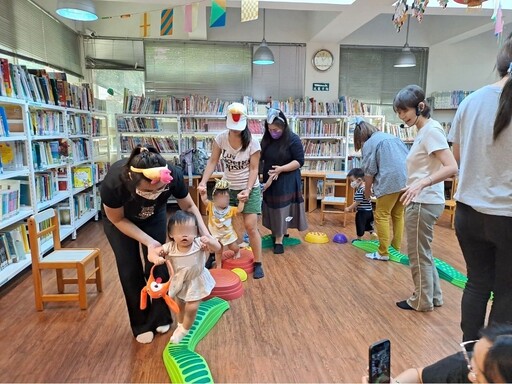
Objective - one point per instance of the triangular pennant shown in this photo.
(195, 15)
(218, 14)
(249, 10)
(187, 24)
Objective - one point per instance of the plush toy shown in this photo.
(158, 290)
(155, 174)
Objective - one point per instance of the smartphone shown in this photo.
(380, 362)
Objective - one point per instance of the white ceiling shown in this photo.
(365, 22)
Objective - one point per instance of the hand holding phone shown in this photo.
(380, 362)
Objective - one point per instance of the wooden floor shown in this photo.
(310, 319)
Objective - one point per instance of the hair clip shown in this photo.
(155, 174)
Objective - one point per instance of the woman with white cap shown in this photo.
(240, 153)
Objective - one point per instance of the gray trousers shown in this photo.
(419, 225)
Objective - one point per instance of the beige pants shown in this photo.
(419, 226)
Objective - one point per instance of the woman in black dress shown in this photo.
(282, 155)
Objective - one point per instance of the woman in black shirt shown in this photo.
(134, 197)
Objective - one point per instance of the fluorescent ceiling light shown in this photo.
(81, 10)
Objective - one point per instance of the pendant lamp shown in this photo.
(81, 10)
(263, 55)
(406, 58)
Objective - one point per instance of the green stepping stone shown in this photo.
(181, 362)
(445, 270)
(266, 241)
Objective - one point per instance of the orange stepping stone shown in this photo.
(245, 261)
(228, 285)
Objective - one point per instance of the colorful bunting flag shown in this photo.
(218, 14)
(144, 28)
(249, 10)
(187, 24)
(166, 22)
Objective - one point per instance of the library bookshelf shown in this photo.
(51, 156)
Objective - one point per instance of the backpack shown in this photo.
(193, 162)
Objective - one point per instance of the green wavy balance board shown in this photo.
(182, 363)
(445, 270)
(266, 241)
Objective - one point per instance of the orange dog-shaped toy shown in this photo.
(158, 290)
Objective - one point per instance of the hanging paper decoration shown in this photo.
(443, 3)
(400, 15)
(187, 21)
(249, 9)
(418, 9)
(144, 28)
(166, 22)
(218, 14)
(497, 17)
(470, 3)
(195, 15)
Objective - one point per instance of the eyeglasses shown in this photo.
(467, 348)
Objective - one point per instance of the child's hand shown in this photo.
(202, 191)
(275, 171)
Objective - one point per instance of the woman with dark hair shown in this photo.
(282, 155)
(384, 169)
(134, 198)
(240, 153)
(429, 163)
(482, 139)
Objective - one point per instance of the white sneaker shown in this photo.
(377, 256)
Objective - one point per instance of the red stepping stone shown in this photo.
(227, 285)
(245, 261)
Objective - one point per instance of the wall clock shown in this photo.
(322, 60)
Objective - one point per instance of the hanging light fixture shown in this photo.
(263, 55)
(81, 10)
(406, 58)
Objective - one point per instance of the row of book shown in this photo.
(79, 124)
(79, 150)
(10, 191)
(163, 144)
(318, 127)
(82, 204)
(14, 245)
(137, 124)
(99, 127)
(12, 156)
(323, 148)
(405, 134)
(321, 165)
(205, 143)
(49, 153)
(447, 100)
(46, 123)
(40, 86)
(47, 186)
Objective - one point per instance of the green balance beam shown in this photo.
(182, 363)
(266, 241)
(445, 270)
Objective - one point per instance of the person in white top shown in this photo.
(429, 163)
(481, 134)
(240, 153)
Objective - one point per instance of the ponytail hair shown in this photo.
(362, 132)
(142, 157)
(504, 114)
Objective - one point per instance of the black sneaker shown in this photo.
(258, 271)
(278, 249)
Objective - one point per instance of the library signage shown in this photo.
(320, 86)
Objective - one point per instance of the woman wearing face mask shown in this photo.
(134, 196)
(282, 155)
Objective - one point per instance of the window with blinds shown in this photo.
(26, 31)
(283, 79)
(368, 74)
(215, 70)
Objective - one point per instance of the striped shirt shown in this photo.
(364, 205)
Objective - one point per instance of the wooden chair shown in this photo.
(46, 224)
(450, 204)
(334, 196)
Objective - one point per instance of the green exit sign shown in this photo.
(320, 87)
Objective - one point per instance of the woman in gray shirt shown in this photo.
(384, 167)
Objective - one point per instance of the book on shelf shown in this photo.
(83, 176)
(101, 170)
(79, 149)
(10, 198)
(79, 124)
(4, 124)
(14, 118)
(83, 203)
(319, 165)
(64, 213)
(46, 185)
(323, 147)
(44, 123)
(12, 155)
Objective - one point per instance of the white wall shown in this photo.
(330, 76)
(467, 65)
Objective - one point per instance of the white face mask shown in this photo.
(150, 195)
(354, 184)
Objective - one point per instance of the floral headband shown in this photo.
(155, 174)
